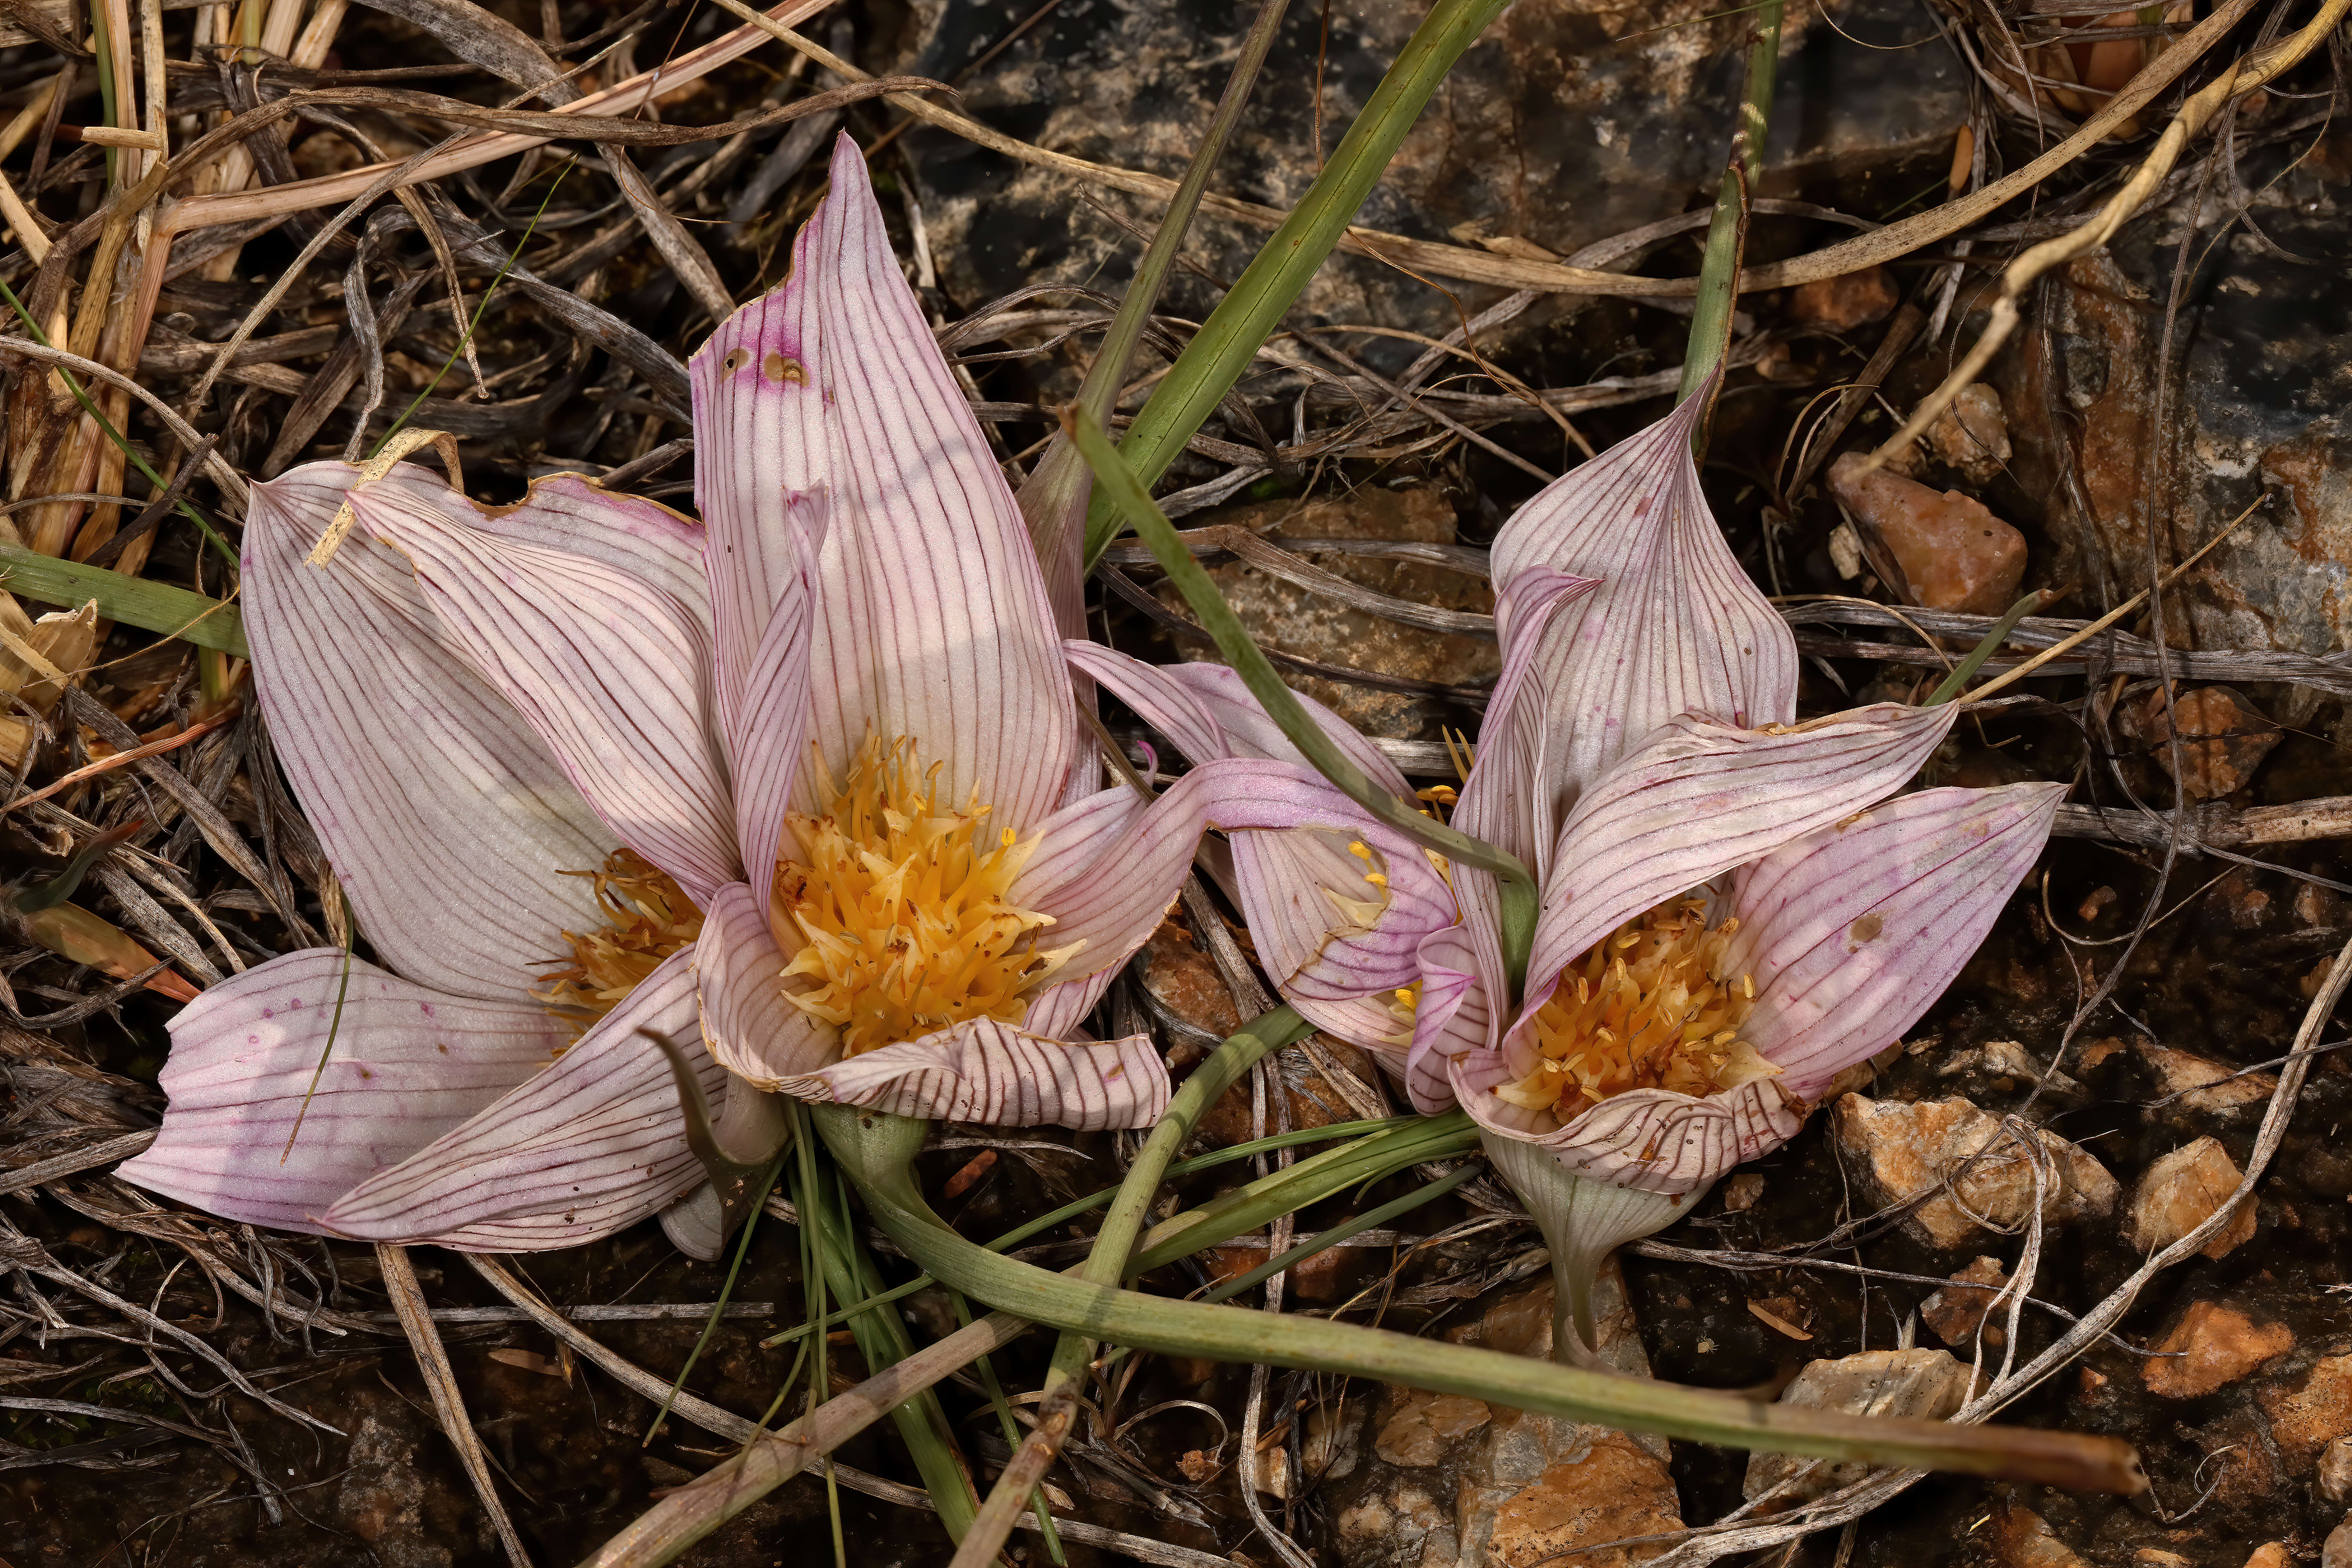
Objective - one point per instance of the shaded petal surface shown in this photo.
(408, 1064)
(448, 822)
(592, 1143)
(747, 1026)
(602, 644)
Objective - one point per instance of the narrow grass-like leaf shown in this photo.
(1221, 350)
(133, 601)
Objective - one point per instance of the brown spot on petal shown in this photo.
(779, 368)
(1867, 929)
(736, 360)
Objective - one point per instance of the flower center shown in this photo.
(1644, 1009)
(899, 915)
(646, 918)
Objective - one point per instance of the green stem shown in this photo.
(1964, 671)
(875, 1152)
(1218, 354)
(1065, 1374)
(1124, 490)
(1727, 235)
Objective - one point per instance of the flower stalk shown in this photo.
(875, 1151)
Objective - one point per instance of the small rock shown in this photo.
(2180, 1192)
(1740, 1191)
(2307, 1418)
(1615, 1490)
(1925, 1384)
(1907, 1151)
(1942, 550)
(1954, 1314)
(2336, 1471)
(2338, 1551)
(2008, 1067)
(2022, 1539)
(2221, 1345)
(1424, 1424)
(2271, 1554)
(2223, 739)
(2190, 1076)
(2150, 1557)
(382, 1498)
(1841, 303)
(1972, 435)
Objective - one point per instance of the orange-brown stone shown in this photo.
(1950, 551)
(2211, 1346)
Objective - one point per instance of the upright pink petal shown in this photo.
(448, 822)
(747, 1026)
(931, 616)
(1509, 799)
(1855, 930)
(1697, 799)
(991, 1073)
(605, 651)
(590, 1144)
(766, 726)
(1168, 706)
(1676, 626)
(407, 1063)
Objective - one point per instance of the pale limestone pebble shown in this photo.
(1954, 1313)
(382, 1500)
(2156, 1557)
(2181, 1191)
(1908, 1150)
(1972, 435)
(2204, 1086)
(2338, 1551)
(2211, 1346)
(2270, 1555)
(2023, 1539)
(1422, 1425)
(1924, 1385)
(2309, 1416)
(1406, 1529)
(1329, 1449)
(1948, 551)
(1614, 1489)
(1740, 1191)
(2336, 1471)
(2007, 1059)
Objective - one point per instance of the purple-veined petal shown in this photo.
(598, 650)
(766, 724)
(407, 1064)
(1507, 800)
(1676, 626)
(986, 1071)
(931, 618)
(1108, 868)
(1652, 1140)
(1174, 710)
(1451, 1016)
(1853, 930)
(449, 824)
(1697, 799)
(747, 1026)
(593, 1142)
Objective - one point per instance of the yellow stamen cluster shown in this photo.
(901, 914)
(647, 919)
(1644, 1009)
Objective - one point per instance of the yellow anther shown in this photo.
(897, 923)
(1360, 850)
(646, 918)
